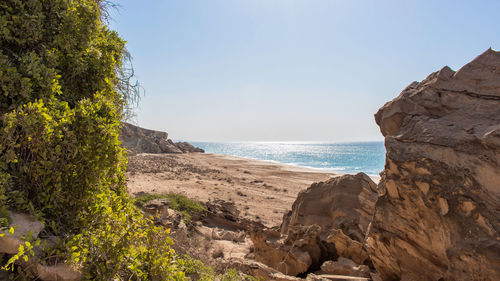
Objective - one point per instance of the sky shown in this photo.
(291, 70)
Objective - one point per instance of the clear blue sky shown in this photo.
(290, 70)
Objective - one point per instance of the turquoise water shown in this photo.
(352, 157)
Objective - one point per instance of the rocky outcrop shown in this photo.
(438, 214)
(140, 140)
(327, 220)
(346, 202)
(186, 147)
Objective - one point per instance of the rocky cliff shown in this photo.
(438, 212)
(140, 140)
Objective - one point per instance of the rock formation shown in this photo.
(438, 214)
(327, 220)
(140, 140)
(186, 147)
(346, 202)
(294, 253)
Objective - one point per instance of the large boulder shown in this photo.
(346, 202)
(327, 220)
(438, 214)
(294, 253)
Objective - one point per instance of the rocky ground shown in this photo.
(261, 191)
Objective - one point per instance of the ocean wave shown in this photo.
(368, 157)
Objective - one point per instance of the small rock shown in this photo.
(58, 272)
(345, 266)
(24, 225)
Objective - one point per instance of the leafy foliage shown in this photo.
(61, 103)
(63, 91)
(190, 209)
(55, 48)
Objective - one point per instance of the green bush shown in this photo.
(60, 158)
(190, 209)
(55, 47)
(62, 96)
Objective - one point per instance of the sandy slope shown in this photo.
(261, 190)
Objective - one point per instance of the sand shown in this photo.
(261, 190)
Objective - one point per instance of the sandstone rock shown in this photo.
(314, 230)
(293, 254)
(438, 215)
(140, 140)
(163, 215)
(222, 234)
(25, 226)
(225, 215)
(346, 247)
(346, 202)
(345, 266)
(156, 206)
(58, 272)
(187, 147)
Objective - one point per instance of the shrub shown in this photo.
(61, 101)
(190, 209)
(60, 159)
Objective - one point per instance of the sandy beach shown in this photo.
(261, 190)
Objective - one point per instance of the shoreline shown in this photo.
(296, 167)
(261, 190)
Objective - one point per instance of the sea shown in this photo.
(348, 157)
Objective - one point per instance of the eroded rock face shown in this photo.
(294, 253)
(140, 140)
(187, 147)
(438, 214)
(346, 202)
(327, 220)
(346, 247)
